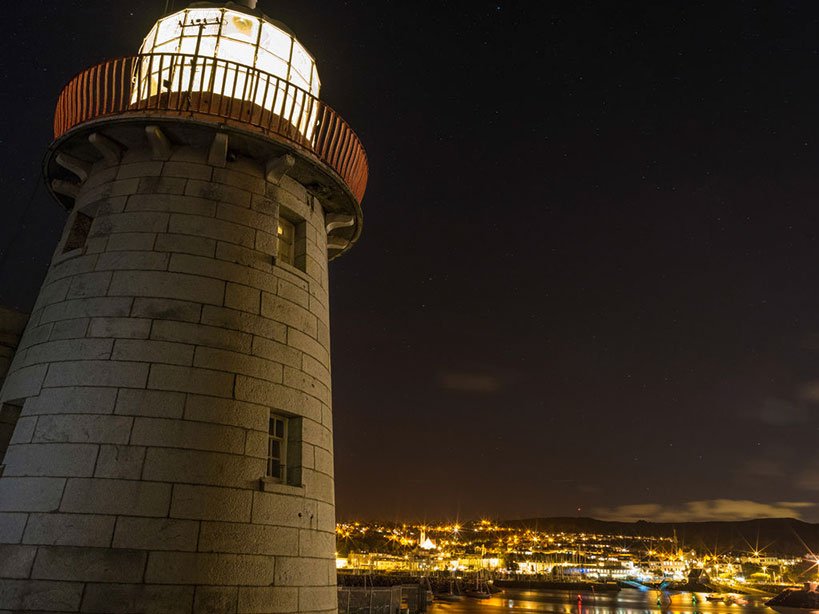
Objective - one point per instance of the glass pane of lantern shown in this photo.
(188, 45)
(269, 94)
(207, 46)
(235, 51)
(272, 64)
(241, 27)
(205, 25)
(316, 82)
(209, 19)
(299, 81)
(150, 40)
(302, 65)
(169, 29)
(170, 46)
(275, 41)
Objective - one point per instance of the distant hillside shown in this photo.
(785, 535)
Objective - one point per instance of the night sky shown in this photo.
(588, 282)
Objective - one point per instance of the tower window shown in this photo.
(284, 451)
(286, 250)
(78, 234)
(9, 414)
(277, 448)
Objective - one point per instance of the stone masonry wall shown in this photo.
(147, 374)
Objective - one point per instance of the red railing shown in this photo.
(217, 91)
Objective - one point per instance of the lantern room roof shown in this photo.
(240, 8)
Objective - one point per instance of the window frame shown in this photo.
(10, 413)
(289, 463)
(286, 250)
(277, 465)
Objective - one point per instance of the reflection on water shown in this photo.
(627, 601)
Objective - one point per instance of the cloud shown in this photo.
(640, 511)
(810, 342)
(470, 382)
(765, 468)
(810, 392)
(712, 509)
(808, 478)
(779, 412)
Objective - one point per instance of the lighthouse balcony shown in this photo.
(221, 95)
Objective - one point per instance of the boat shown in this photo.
(727, 598)
(796, 600)
(481, 590)
(452, 595)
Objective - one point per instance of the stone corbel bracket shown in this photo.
(111, 151)
(218, 153)
(278, 167)
(160, 145)
(337, 221)
(79, 168)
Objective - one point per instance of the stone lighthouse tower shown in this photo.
(174, 445)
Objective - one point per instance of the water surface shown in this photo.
(627, 601)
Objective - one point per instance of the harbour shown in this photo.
(626, 601)
(384, 594)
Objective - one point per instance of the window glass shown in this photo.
(287, 241)
(207, 46)
(272, 64)
(277, 447)
(241, 27)
(208, 18)
(169, 29)
(9, 414)
(302, 65)
(299, 81)
(148, 45)
(78, 234)
(276, 42)
(316, 82)
(188, 45)
(235, 51)
(170, 46)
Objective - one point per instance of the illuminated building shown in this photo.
(174, 450)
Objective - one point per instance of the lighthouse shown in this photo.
(172, 441)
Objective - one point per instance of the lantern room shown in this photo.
(214, 66)
(233, 52)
